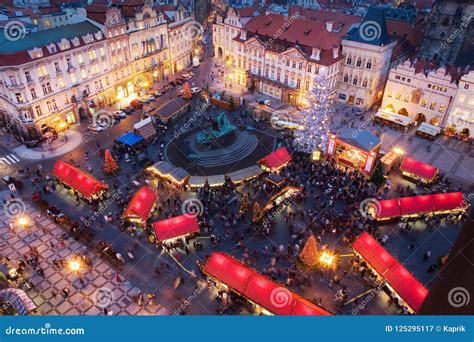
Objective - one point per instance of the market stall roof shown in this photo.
(77, 179)
(18, 299)
(197, 181)
(362, 139)
(216, 180)
(141, 204)
(416, 204)
(393, 117)
(418, 168)
(142, 123)
(167, 170)
(175, 227)
(395, 274)
(387, 209)
(244, 174)
(406, 285)
(373, 253)
(276, 159)
(449, 201)
(429, 129)
(258, 288)
(130, 139)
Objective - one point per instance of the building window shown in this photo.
(308, 68)
(389, 93)
(73, 77)
(298, 83)
(293, 65)
(346, 78)
(369, 64)
(286, 79)
(364, 83)
(83, 74)
(342, 96)
(80, 59)
(442, 108)
(349, 61)
(61, 82)
(92, 54)
(300, 66)
(462, 98)
(433, 105)
(471, 102)
(19, 98)
(355, 81)
(306, 86)
(42, 71)
(27, 76)
(359, 102)
(359, 62)
(38, 111)
(33, 93)
(46, 88)
(466, 86)
(423, 103)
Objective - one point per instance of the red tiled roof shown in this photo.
(340, 20)
(175, 227)
(77, 179)
(248, 11)
(141, 204)
(259, 289)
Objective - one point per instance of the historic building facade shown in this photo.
(461, 115)
(422, 91)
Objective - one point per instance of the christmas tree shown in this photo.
(187, 91)
(316, 118)
(110, 165)
(257, 213)
(309, 254)
(244, 203)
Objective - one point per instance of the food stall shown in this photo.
(246, 174)
(267, 296)
(276, 160)
(141, 206)
(145, 128)
(418, 170)
(391, 119)
(164, 170)
(354, 149)
(175, 228)
(402, 285)
(130, 142)
(428, 131)
(388, 161)
(414, 206)
(280, 198)
(81, 183)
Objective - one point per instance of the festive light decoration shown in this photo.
(317, 117)
(110, 165)
(309, 254)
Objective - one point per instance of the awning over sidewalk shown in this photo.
(391, 270)
(175, 227)
(429, 129)
(393, 117)
(141, 204)
(418, 205)
(81, 181)
(418, 169)
(276, 160)
(257, 288)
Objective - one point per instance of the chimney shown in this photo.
(329, 25)
(316, 54)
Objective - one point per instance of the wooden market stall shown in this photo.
(428, 131)
(164, 170)
(83, 184)
(175, 228)
(279, 198)
(268, 296)
(354, 149)
(276, 160)
(388, 161)
(401, 283)
(392, 119)
(418, 170)
(145, 128)
(140, 207)
(414, 206)
(246, 174)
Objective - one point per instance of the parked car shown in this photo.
(191, 72)
(158, 94)
(137, 104)
(128, 110)
(96, 128)
(186, 76)
(195, 90)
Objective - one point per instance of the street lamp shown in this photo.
(327, 259)
(24, 221)
(398, 151)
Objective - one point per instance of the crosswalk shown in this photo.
(9, 159)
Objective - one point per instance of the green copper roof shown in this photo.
(45, 37)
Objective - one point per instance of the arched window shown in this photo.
(346, 78)
(349, 60)
(369, 64)
(364, 83)
(359, 62)
(354, 81)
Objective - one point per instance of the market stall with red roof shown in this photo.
(276, 160)
(415, 206)
(404, 286)
(418, 170)
(175, 228)
(268, 296)
(141, 205)
(84, 184)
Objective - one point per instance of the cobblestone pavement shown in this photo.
(101, 288)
